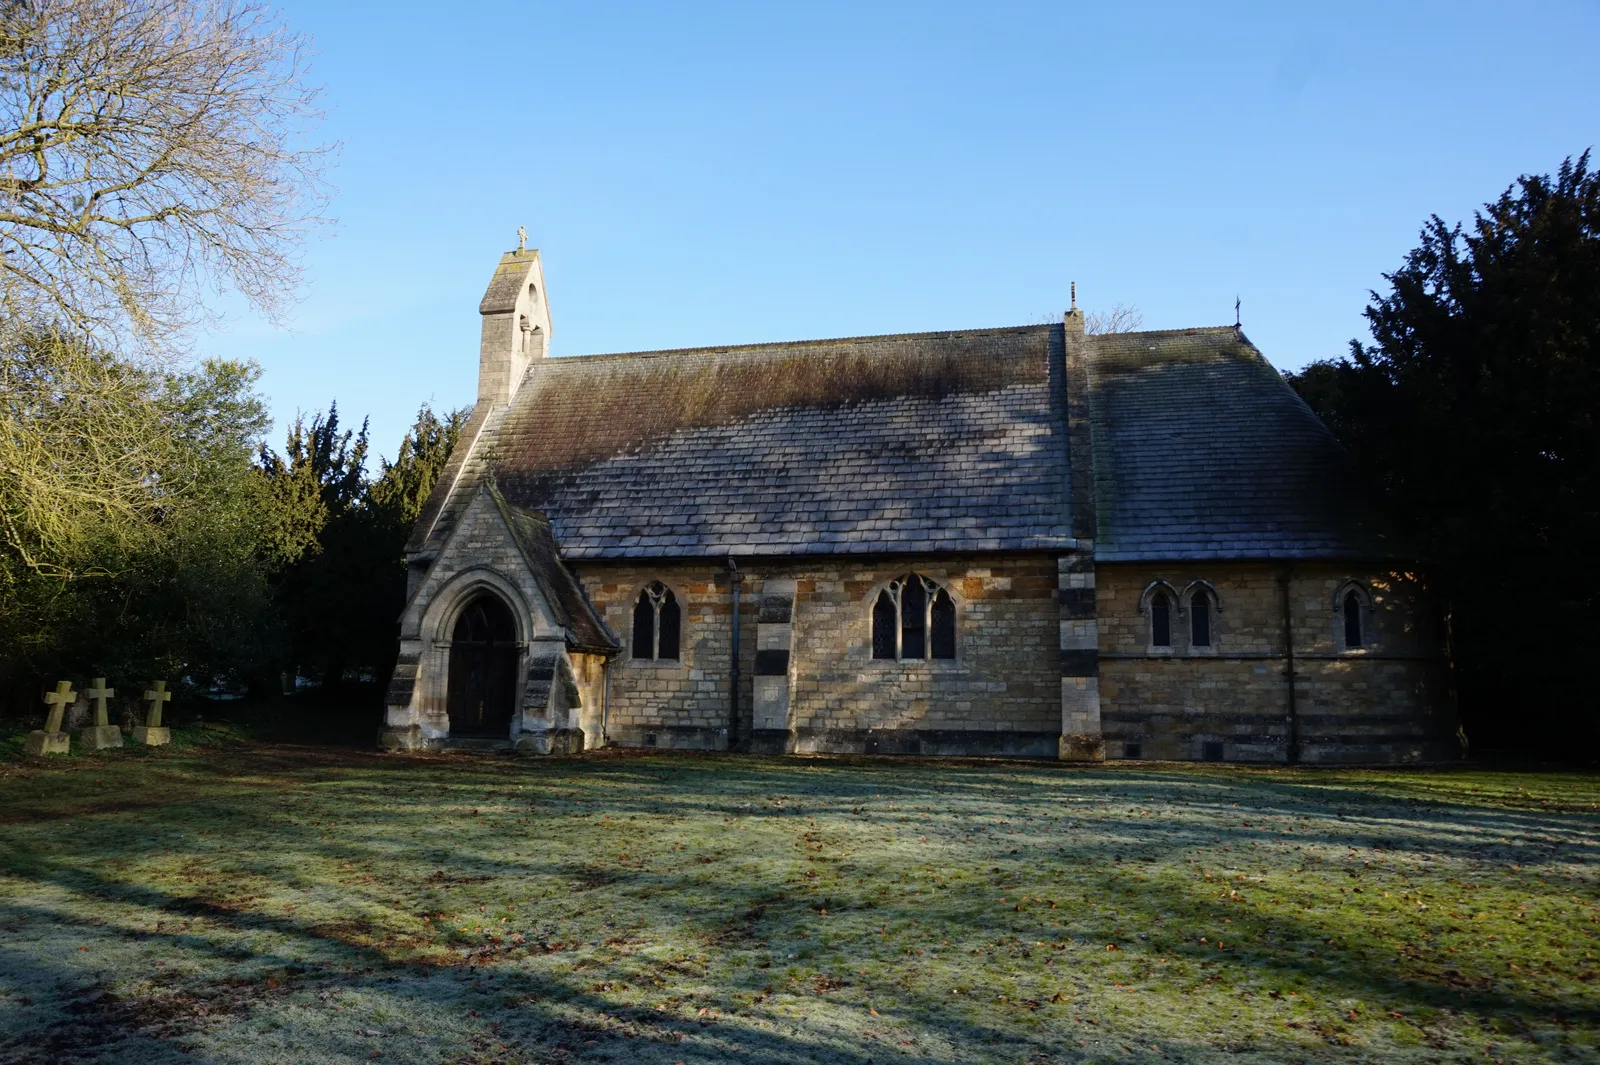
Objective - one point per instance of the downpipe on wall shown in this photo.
(735, 580)
(1293, 753)
(605, 702)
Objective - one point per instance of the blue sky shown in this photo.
(708, 173)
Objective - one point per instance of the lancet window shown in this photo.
(1201, 607)
(1160, 619)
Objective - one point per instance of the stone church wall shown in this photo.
(1383, 702)
(1000, 695)
(682, 704)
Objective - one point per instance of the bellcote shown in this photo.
(516, 325)
(1073, 320)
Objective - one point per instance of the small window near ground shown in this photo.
(1211, 750)
(1353, 636)
(657, 624)
(1132, 750)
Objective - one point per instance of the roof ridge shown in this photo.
(785, 345)
(1196, 330)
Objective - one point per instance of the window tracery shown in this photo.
(913, 618)
(657, 624)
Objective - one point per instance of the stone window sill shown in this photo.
(656, 663)
(941, 665)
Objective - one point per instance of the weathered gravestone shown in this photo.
(152, 732)
(102, 733)
(79, 714)
(50, 739)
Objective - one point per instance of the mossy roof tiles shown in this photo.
(925, 442)
(947, 441)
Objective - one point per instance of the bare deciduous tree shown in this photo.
(82, 438)
(1121, 318)
(151, 150)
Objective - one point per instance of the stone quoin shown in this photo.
(1021, 541)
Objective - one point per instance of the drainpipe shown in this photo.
(605, 701)
(1288, 650)
(735, 579)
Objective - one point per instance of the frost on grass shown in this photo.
(276, 905)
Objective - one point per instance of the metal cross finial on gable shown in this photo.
(1236, 312)
(155, 697)
(59, 700)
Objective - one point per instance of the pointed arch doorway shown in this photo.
(483, 669)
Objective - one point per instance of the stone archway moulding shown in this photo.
(451, 598)
(445, 606)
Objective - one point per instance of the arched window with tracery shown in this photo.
(913, 618)
(1201, 606)
(657, 623)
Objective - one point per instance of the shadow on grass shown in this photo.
(566, 1015)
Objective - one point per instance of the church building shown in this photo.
(1025, 541)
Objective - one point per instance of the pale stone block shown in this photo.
(534, 742)
(1081, 634)
(152, 736)
(41, 743)
(773, 637)
(401, 738)
(100, 737)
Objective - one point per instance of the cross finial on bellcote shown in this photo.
(522, 239)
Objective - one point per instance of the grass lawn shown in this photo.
(256, 903)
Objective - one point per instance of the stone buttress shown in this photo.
(1081, 735)
(772, 730)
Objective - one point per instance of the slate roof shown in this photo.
(1203, 450)
(930, 442)
(927, 442)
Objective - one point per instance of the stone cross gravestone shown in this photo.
(102, 733)
(50, 739)
(152, 733)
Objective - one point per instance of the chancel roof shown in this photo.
(931, 442)
(1203, 450)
